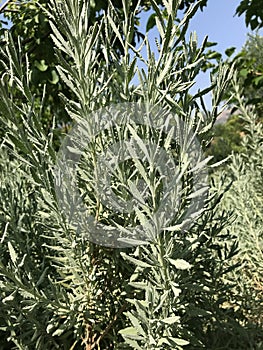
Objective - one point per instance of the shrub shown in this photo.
(60, 290)
(245, 199)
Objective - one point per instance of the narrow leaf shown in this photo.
(180, 264)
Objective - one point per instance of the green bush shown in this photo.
(58, 289)
(226, 138)
(245, 199)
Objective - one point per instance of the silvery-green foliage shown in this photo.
(46, 269)
(61, 291)
(245, 200)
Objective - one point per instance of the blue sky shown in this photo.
(219, 22)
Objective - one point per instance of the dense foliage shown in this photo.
(227, 136)
(250, 65)
(58, 289)
(253, 12)
(245, 199)
(30, 23)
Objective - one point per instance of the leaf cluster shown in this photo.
(253, 13)
(59, 289)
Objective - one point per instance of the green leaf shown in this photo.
(43, 275)
(151, 22)
(10, 297)
(176, 291)
(168, 35)
(136, 324)
(74, 150)
(12, 252)
(135, 261)
(131, 333)
(210, 44)
(229, 52)
(258, 80)
(58, 332)
(180, 264)
(131, 70)
(54, 77)
(164, 72)
(116, 30)
(254, 23)
(41, 65)
(179, 341)
(244, 72)
(214, 55)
